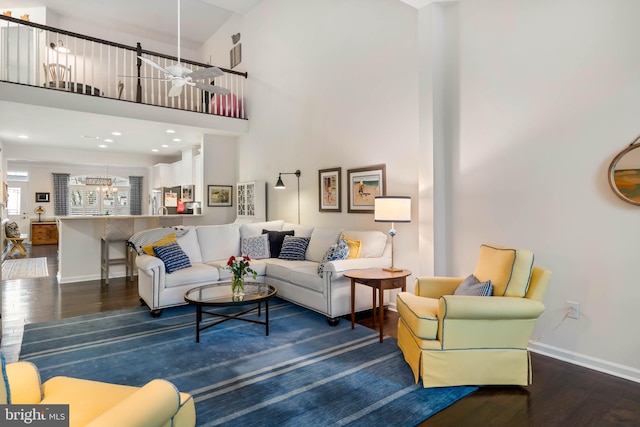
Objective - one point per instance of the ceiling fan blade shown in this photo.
(154, 65)
(175, 90)
(205, 73)
(213, 89)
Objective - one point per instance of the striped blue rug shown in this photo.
(305, 373)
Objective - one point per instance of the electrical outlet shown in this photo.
(572, 309)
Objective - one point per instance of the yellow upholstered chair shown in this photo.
(97, 404)
(451, 340)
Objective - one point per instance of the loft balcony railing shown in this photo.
(35, 55)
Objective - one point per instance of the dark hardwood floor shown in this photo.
(562, 394)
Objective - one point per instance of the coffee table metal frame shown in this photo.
(221, 298)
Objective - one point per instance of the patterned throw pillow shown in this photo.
(172, 256)
(472, 286)
(336, 251)
(255, 247)
(11, 229)
(294, 248)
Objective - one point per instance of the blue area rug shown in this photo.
(304, 373)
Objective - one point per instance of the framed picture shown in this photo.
(187, 193)
(330, 187)
(364, 185)
(42, 197)
(235, 55)
(219, 195)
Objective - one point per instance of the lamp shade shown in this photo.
(392, 209)
(279, 184)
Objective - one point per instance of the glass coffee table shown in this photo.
(219, 295)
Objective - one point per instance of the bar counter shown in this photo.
(79, 242)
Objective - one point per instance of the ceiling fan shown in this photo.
(180, 76)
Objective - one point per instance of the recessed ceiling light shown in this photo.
(171, 131)
(23, 136)
(155, 150)
(108, 140)
(165, 146)
(90, 137)
(116, 133)
(177, 140)
(102, 146)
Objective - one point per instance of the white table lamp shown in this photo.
(392, 209)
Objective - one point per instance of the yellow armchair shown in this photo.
(450, 340)
(91, 403)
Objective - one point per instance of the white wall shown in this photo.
(547, 95)
(331, 84)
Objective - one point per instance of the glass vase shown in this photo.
(237, 286)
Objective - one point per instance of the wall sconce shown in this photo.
(392, 209)
(280, 186)
(59, 47)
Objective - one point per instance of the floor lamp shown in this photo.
(392, 209)
(280, 186)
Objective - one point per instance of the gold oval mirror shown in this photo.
(624, 174)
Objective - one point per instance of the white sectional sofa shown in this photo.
(209, 247)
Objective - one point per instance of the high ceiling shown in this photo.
(132, 17)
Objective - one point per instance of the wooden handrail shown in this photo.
(137, 49)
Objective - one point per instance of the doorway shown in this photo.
(18, 204)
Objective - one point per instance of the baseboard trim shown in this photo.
(588, 362)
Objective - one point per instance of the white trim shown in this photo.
(607, 367)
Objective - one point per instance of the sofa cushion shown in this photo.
(294, 248)
(198, 274)
(354, 246)
(372, 242)
(305, 276)
(255, 228)
(148, 249)
(509, 269)
(172, 256)
(299, 230)
(276, 238)
(335, 252)
(472, 286)
(321, 239)
(218, 241)
(283, 270)
(189, 244)
(256, 247)
(224, 273)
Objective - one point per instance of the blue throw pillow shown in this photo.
(294, 248)
(336, 251)
(472, 286)
(172, 256)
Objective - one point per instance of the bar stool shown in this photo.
(115, 230)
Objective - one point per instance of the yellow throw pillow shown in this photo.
(354, 247)
(148, 249)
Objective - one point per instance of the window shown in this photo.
(98, 200)
(13, 200)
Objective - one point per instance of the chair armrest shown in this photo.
(435, 287)
(488, 308)
(152, 405)
(147, 262)
(24, 383)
